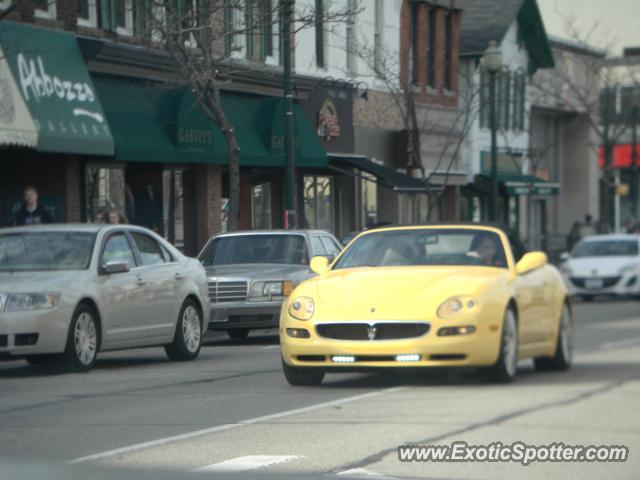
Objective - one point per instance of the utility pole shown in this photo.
(290, 217)
(634, 161)
(492, 63)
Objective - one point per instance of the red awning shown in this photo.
(621, 156)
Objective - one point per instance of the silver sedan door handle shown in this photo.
(140, 281)
(179, 276)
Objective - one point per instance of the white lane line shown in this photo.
(363, 473)
(627, 342)
(249, 462)
(230, 426)
(270, 347)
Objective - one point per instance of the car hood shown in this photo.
(260, 271)
(389, 289)
(600, 266)
(14, 282)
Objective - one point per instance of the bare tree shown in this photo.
(586, 86)
(420, 120)
(10, 8)
(202, 39)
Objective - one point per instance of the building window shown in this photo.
(266, 29)
(413, 42)
(351, 38)
(233, 23)
(378, 29)
(123, 17)
(320, 35)
(318, 202)
(190, 11)
(448, 51)
(261, 206)
(45, 9)
(87, 13)
(519, 94)
(431, 48)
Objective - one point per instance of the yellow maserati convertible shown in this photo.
(427, 296)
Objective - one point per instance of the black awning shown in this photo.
(386, 176)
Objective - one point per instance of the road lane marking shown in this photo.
(231, 426)
(363, 472)
(270, 347)
(627, 342)
(249, 462)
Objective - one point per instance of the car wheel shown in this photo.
(83, 340)
(187, 340)
(505, 369)
(238, 333)
(300, 376)
(564, 346)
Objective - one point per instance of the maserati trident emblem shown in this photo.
(371, 332)
(373, 310)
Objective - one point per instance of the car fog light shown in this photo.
(298, 332)
(411, 357)
(448, 331)
(343, 358)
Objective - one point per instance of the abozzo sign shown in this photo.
(36, 83)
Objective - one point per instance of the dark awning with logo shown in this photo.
(386, 176)
(57, 89)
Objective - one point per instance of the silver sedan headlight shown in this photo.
(628, 268)
(267, 290)
(20, 302)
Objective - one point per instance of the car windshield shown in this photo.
(606, 248)
(425, 247)
(237, 249)
(30, 251)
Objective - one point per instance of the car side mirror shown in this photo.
(531, 261)
(320, 265)
(564, 256)
(114, 266)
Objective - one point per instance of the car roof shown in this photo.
(444, 225)
(612, 236)
(70, 227)
(273, 232)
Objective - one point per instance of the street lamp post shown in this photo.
(492, 62)
(634, 161)
(289, 153)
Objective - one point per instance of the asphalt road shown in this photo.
(232, 410)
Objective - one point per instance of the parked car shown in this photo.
(70, 291)
(603, 265)
(427, 296)
(251, 273)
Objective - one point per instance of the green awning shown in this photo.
(56, 86)
(386, 176)
(143, 119)
(528, 185)
(259, 125)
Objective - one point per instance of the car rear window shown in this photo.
(46, 251)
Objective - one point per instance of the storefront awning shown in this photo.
(142, 117)
(514, 184)
(57, 89)
(16, 124)
(386, 176)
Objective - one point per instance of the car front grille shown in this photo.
(227, 291)
(607, 282)
(372, 331)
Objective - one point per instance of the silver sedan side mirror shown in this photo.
(114, 266)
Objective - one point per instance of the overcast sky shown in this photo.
(617, 22)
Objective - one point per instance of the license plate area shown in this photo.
(593, 283)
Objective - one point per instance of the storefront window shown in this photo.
(261, 206)
(318, 202)
(173, 206)
(105, 190)
(413, 209)
(369, 201)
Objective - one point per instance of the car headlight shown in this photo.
(271, 289)
(20, 302)
(458, 305)
(302, 308)
(627, 269)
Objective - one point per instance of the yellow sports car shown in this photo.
(427, 296)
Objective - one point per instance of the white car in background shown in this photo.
(603, 265)
(69, 291)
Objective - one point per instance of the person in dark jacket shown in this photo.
(31, 213)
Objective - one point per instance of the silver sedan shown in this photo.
(69, 291)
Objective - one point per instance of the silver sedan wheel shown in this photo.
(510, 344)
(85, 338)
(566, 335)
(191, 328)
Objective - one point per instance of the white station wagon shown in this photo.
(70, 291)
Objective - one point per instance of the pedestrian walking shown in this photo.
(587, 228)
(116, 217)
(31, 212)
(574, 236)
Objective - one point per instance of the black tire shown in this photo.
(83, 340)
(187, 339)
(564, 346)
(300, 376)
(505, 368)
(238, 333)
